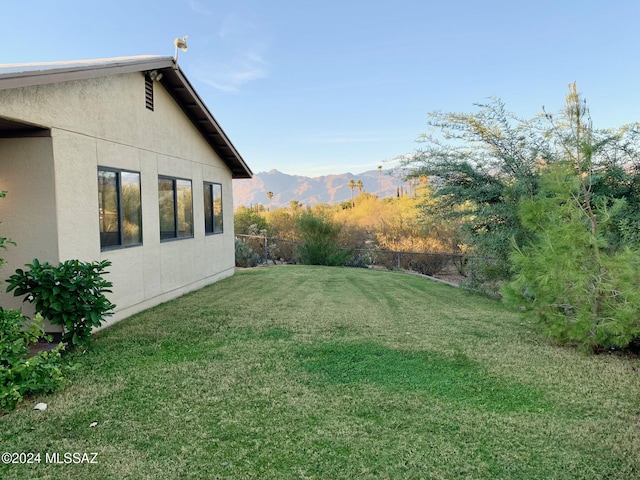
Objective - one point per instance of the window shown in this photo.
(120, 208)
(212, 208)
(176, 208)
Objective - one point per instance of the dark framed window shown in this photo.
(120, 208)
(176, 208)
(213, 208)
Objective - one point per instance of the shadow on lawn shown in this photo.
(456, 379)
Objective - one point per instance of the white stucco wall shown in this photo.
(104, 122)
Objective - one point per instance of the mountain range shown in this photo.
(312, 190)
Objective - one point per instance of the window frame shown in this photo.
(176, 228)
(209, 187)
(121, 237)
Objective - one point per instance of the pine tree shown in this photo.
(570, 276)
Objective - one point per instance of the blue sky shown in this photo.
(318, 87)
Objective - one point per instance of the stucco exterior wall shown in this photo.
(104, 122)
(28, 212)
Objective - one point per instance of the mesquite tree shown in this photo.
(483, 163)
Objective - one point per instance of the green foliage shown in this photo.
(320, 241)
(568, 278)
(70, 294)
(20, 375)
(485, 163)
(245, 255)
(488, 161)
(246, 221)
(576, 275)
(616, 182)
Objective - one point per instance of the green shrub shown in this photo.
(320, 242)
(19, 374)
(70, 294)
(569, 278)
(245, 255)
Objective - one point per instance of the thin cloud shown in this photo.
(199, 7)
(237, 25)
(353, 166)
(357, 137)
(240, 53)
(231, 76)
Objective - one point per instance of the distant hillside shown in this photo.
(312, 190)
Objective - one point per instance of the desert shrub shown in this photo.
(70, 295)
(361, 259)
(320, 242)
(424, 263)
(432, 263)
(245, 255)
(281, 249)
(19, 374)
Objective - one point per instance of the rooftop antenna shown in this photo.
(180, 43)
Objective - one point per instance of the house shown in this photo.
(116, 159)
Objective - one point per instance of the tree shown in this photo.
(246, 221)
(567, 277)
(282, 223)
(485, 163)
(352, 185)
(269, 196)
(570, 276)
(359, 186)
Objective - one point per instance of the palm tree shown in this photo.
(360, 186)
(352, 185)
(269, 196)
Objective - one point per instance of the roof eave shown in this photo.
(80, 71)
(177, 84)
(173, 80)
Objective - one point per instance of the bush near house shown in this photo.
(70, 294)
(21, 375)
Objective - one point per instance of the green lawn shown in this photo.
(329, 373)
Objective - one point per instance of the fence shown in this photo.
(444, 265)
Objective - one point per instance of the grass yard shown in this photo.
(299, 372)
